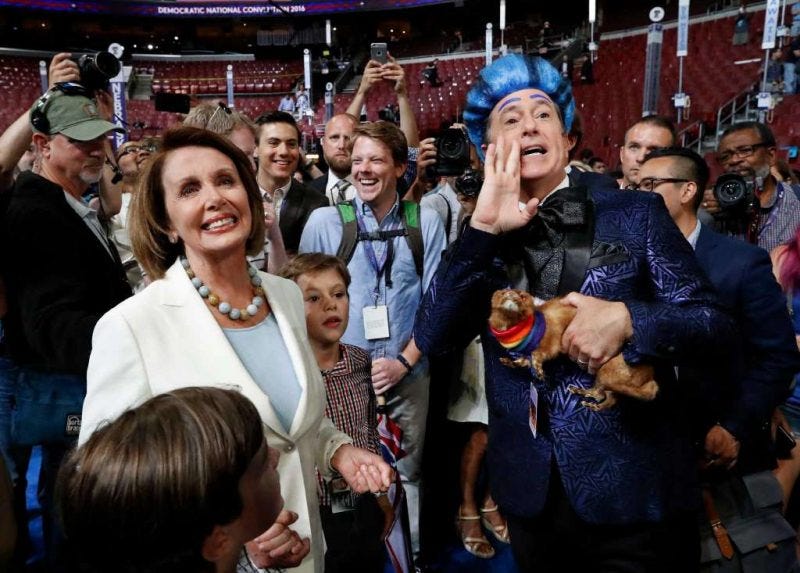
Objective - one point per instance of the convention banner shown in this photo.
(683, 28)
(770, 24)
(216, 8)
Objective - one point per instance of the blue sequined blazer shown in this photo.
(633, 462)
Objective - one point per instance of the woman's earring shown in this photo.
(173, 239)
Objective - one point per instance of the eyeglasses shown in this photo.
(136, 149)
(741, 151)
(651, 183)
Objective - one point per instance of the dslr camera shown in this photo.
(452, 154)
(737, 201)
(469, 183)
(97, 69)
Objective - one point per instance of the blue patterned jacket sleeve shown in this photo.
(682, 322)
(455, 307)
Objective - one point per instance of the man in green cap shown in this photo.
(61, 275)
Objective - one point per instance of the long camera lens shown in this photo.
(97, 69)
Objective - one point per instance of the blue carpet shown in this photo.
(458, 559)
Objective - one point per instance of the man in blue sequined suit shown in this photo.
(610, 490)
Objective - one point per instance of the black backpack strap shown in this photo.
(412, 221)
(347, 213)
(449, 224)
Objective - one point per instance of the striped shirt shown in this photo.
(350, 403)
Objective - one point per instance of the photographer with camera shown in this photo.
(735, 399)
(444, 170)
(748, 201)
(61, 272)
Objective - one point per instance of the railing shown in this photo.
(686, 133)
(728, 111)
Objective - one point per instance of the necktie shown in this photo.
(340, 190)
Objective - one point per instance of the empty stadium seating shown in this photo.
(711, 77)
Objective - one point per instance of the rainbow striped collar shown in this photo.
(522, 338)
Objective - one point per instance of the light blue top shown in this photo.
(264, 354)
(323, 233)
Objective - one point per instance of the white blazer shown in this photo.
(165, 338)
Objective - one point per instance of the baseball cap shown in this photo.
(72, 115)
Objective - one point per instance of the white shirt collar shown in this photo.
(564, 183)
(694, 235)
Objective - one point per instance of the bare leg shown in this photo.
(471, 459)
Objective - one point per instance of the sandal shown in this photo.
(474, 544)
(499, 531)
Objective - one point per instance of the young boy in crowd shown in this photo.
(179, 483)
(353, 524)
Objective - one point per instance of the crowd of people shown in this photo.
(218, 346)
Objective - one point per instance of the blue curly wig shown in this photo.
(507, 75)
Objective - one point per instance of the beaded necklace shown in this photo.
(222, 306)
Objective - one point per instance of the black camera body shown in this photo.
(97, 69)
(734, 193)
(469, 183)
(738, 202)
(452, 153)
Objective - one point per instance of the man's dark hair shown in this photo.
(586, 155)
(764, 132)
(276, 117)
(689, 165)
(655, 121)
(594, 161)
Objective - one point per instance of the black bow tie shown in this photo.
(564, 208)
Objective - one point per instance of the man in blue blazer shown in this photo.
(583, 490)
(735, 397)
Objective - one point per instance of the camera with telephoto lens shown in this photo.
(737, 201)
(452, 154)
(469, 183)
(97, 69)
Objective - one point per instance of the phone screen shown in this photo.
(378, 52)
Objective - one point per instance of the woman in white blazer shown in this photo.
(211, 320)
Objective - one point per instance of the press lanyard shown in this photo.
(386, 265)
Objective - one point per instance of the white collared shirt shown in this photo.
(330, 189)
(89, 217)
(564, 183)
(278, 195)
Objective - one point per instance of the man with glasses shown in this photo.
(60, 270)
(749, 150)
(734, 399)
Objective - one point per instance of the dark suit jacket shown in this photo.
(59, 278)
(628, 464)
(742, 391)
(295, 209)
(319, 183)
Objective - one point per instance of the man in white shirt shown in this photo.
(337, 184)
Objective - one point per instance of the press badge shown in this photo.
(376, 322)
(341, 496)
